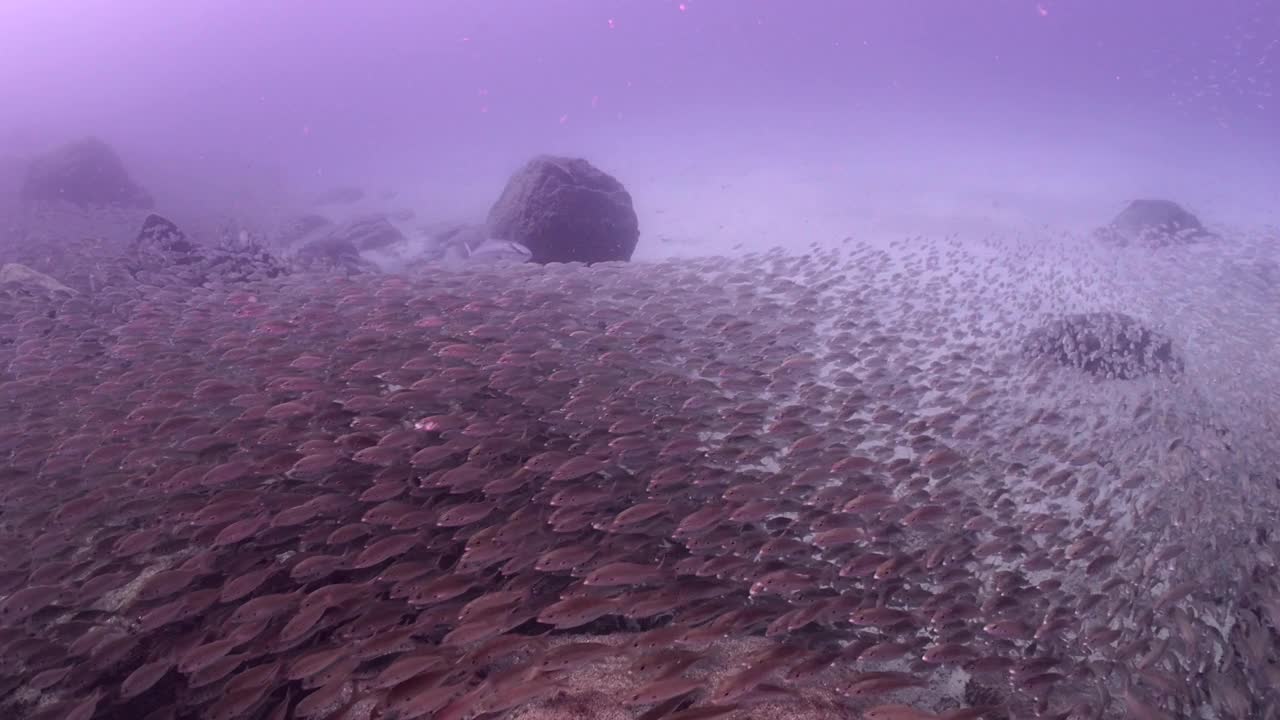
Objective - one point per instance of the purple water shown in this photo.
(847, 116)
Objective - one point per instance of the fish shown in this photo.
(565, 557)
(405, 571)
(316, 567)
(407, 668)
(323, 701)
(897, 712)
(782, 582)
(265, 607)
(623, 573)
(880, 616)
(202, 656)
(227, 472)
(639, 513)
(315, 662)
(532, 687)
(886, 651)
(385, 549)
(240, 530)
(34, 598)
(382, 491)
(244, 585)
(217, 670)
(258, 677)
(49, 678)
(429, 591)
(83, 709)
(162, 585)
(421, 695)
(313, 463)
(137, 542)
(856, 451)
(949, 653)
(145, 677)
(575, 611)
(744, 681)
(464, 514)
(578, 467)
(184, 608)
(880, 683)
(663, 689)
(348, 533)
(496, 601)
(301, 623)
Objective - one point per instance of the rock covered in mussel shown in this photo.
(163, 253)
(1105, 344)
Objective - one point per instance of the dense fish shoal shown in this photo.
(821, 483)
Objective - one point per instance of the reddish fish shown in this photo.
(575, 611)
(265, 607)
(144, 678)
(623, 573)
(241, 530)
(385, 549)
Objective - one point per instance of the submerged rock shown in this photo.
(332, 253)
(162, 239)
(295, 233)
(24, 277)
(1154, 223)
(566, 210)
(370, 232)
(303, 229)
(1105, 344)
(85, 173)
(163, 254)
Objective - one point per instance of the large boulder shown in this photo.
(1154, 223)
(87, 173)
(163, 254)
(1104, 344)
(566, 210)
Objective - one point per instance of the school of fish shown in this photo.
(456, 494)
